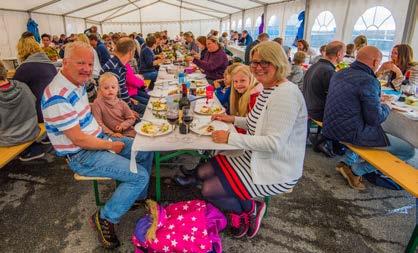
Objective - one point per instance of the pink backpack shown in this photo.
(188, 226)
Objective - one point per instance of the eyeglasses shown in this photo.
(262, 64)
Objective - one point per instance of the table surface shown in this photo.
(401, 126)
(160, 143)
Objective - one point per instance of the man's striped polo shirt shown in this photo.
(64, 105)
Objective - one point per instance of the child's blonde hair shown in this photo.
(106, 76)
(238, 103)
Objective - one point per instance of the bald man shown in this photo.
(354, 114)
(315, 90)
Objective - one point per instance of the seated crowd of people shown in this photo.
(91, 104)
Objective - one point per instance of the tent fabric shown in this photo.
(199, 16)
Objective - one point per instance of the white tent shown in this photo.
(385, 22)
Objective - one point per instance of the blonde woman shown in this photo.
(359, 42)
(36, 69)
(274, 146)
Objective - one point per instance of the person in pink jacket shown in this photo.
(136, 86)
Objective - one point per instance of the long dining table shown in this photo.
(158, 144)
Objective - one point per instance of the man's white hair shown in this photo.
(73, 46)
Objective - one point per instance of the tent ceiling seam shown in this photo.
(208, 8)
(224, 4)
(111, 9)
(43, 5)
(85, 7)
(122, 14)
(182, 7)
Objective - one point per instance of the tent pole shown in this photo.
(243, 21)
(65, 25)
(409, 22)
(265, 18)
(305, 29)
(140, 21)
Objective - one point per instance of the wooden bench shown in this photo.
(95, 186)
(399, 171)
(9, 153)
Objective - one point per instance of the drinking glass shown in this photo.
(172, 118)
(188, 119)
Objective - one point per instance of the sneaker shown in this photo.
(356, 182)
(255, 216)
(29, 156)
(186, 180)
(238, 224)
(45, 141)
(105, 230)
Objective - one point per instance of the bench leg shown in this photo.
(267, 201)
(97, 194)
(413, 242)
(157, 176)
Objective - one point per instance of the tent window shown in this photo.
(234, 25)
(378, 25)
(291, 29)
(273, 27)
(254, 33)
(323, 30)
(239, 26)
(248, 26)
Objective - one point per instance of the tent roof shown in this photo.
(136, 10)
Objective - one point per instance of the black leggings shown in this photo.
(214, 191)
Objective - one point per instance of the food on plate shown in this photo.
(173, 92)
(150, 128)
(208, 110)
(158, 105)
(210, 129)
(411, 100)
(201, 91)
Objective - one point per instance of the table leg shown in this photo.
(413, 242)
(157, 176)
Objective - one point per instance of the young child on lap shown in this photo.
(112, 114)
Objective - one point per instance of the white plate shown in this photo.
(157, 124)
(201, 106)
(200, 83)
(412, 115)
(201, 127)
(158, 93)
(196, 76)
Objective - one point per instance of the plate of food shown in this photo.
(152, 129)
(200, 92)
(199, 83)
(158, 93)
(208, 109)
(158, 105)
(207, 127)
(197, 76)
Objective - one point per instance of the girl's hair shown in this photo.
(202, 40)
(238, 103)
(26, 47)
(299, 58)
(359, 42)
(106, 76)
(305, 45)
(270, 52)
(405, 57)
(349, 49)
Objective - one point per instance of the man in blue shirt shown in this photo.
(100, 48)
(246, 38)
(354, 113)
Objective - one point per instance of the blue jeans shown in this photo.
(101, 163)
(398, 147)
(150, 76)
